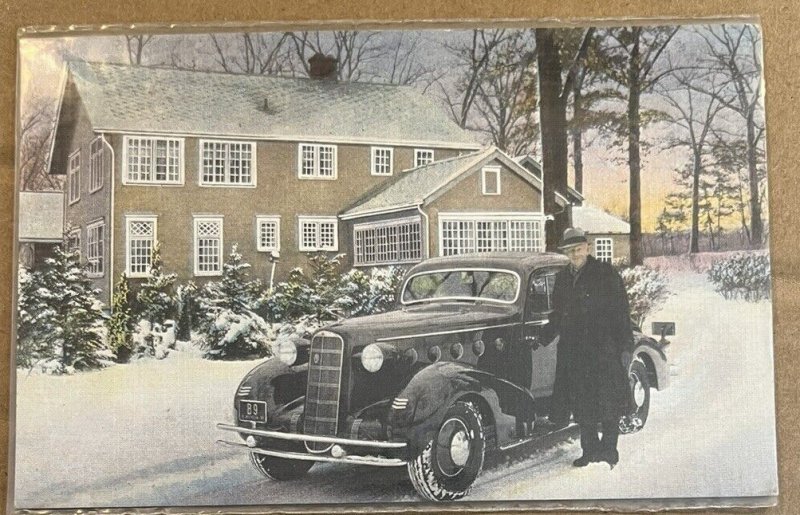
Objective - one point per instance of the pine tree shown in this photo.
(155, 297)
(189, 312)
(68, 320)
(231, 329)
(34, 319)
(121, 324)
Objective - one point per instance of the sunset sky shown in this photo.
(605, 168)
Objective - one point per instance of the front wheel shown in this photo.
(640, 399)
(449, 464)
(280, 469)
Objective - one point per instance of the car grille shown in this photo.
(324, 387)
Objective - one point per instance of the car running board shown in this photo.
(535, 437)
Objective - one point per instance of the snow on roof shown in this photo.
(596, 221)
(147, 99)
(41, 216)
(411, 187)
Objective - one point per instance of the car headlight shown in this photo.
(372, 357)
(287, 352)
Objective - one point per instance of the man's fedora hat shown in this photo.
(572, 236)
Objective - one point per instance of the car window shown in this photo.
(462, 284)
(540, 295)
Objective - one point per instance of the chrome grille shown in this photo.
(324, 387)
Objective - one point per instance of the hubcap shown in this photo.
(459, 448)
(453, 447)
(638, 392)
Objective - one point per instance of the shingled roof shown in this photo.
(596, 221)
(161, 100)
(416, 186)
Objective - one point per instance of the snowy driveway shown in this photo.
(143, 434)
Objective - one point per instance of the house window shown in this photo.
(208, 245)
(317, 161)
(268, 233)
(96, 164)
(490, 180)
(318, 233)
(397, 241)
(229, 163)
(74, 177)
(422, 156)
(381, 161)
(466, 234)
(95, 249)
(604, 249)
(153, 160)
(74, 242)
(141, 238)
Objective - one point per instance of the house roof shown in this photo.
(596, 221)
(40, 216)
(418, 185)
(161, 100)
(574, 194)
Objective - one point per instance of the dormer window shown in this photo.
(490, 180)
(422, 156)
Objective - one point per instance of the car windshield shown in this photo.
(492, 285)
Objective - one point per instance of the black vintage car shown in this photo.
(462, 366)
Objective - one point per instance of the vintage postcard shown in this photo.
(376, 265)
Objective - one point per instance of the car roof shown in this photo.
(520, 262)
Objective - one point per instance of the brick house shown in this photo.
(200, 160)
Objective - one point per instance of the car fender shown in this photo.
(418, 410)
(274, 382)
(651, 353)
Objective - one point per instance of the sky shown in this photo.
(605, 168)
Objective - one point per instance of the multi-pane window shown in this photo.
(318, 233)
(268, 233)
(422, 156)
(490, 180)
(153, 160)
(95, 249)
(96, 164)
(604, 249)
(227, 162)
(397, 241)
(207, 245)
(381, 161)
(141, 238)
(317, 161)
(464, 235)
(74, 177)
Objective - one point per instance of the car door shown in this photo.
(539, 332)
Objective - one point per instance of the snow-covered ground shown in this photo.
(143, 434)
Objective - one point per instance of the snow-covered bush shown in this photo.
(61, 321)
(148, 341)
(361, 294)
(647, 291)
(121, 323)
(742, 275)
(154, 300)
(231, 329)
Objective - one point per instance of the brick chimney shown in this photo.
(322, 66)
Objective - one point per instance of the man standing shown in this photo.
(592, 314)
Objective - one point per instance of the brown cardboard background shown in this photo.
(780, 21)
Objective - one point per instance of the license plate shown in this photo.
(253, 411)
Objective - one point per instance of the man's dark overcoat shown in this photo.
(593, 317)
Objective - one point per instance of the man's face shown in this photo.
(577, 254)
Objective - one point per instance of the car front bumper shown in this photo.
(251, 445)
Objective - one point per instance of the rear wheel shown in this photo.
(280, 469)
(448, 465)
(640, 399)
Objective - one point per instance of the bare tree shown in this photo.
(251, 53)
(35, 133)
(694, 113)
(734, 52)
(136, 44)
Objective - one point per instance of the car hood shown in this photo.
(423, 320)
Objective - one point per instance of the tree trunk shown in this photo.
(694, 237)
(553, 131)
(756, 224)
(577, 134)
(634, 158)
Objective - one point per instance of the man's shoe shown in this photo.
(583, 460)
(609, 456)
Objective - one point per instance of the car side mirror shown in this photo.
(664, 329)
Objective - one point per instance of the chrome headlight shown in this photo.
(372, 357)
(287, 352)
